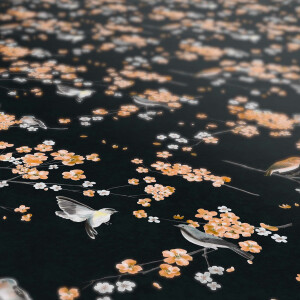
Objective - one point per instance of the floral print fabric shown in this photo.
(149, 149)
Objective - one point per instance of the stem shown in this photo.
(119, 186)
(176, 221)
(285, 226)
(142, 272)
(241, 190)
(259, 170)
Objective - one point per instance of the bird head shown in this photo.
(183, 226)
(109, 211)
(5, 282)
(9, 289)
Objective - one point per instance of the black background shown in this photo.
(50, 252)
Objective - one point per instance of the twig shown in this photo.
(142, 272)
(241, 190)
(258, 170)
(285, 226)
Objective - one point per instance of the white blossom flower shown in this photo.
(233, 102)
(88, 183)
(97, 118)
(255, 92)
(213, 286)
(262, 231)
(49, 142)
(104, 298)
(153, 219)
(118, 94)
(251, 105)
(181, 140)
(193, 102)
(145, 117)
(216, 270)
(161, 137)
(85, 123)
(47, 81)
(104, 288)
(39, 185)
(56, 188)
(3, 183)
(32, 128)
(279, 239)
(224, 209)
(126, 285)
(172, 146)
(103, 192)
(218, 82)
(203, 277)
(202, 134)
(174, 135)
(51, 167)
(84, 119)
(184, 99)
(151, 113)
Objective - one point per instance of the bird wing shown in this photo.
(218, 241)
(74, 201)
(73, 209)
(64, 89)
(40, 123)
(282, 164)
(73, 218)
(209, 238)
(201, 235)
(279, 165)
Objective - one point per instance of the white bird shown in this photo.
(9, 290)
(31, 121)
(78, 212)
(80, 95)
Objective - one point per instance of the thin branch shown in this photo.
(285, 226)
(142, 272)
(241, 190)
(259, 170)
(176, 221)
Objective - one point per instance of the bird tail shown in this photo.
(268, 172)
(242, 253)
(90, 230)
